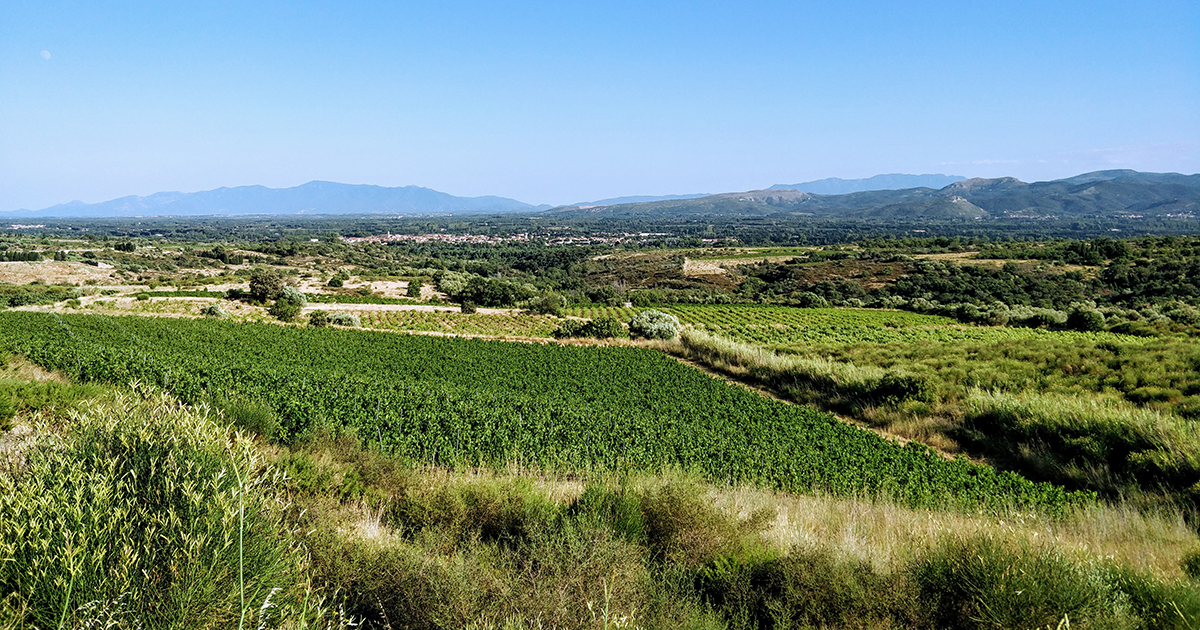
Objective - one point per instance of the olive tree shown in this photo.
(653, 324)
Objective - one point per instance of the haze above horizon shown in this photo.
(550, 103)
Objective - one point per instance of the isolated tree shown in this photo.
(265, 285)
(291, 301)
(414, 288)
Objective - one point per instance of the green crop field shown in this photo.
(453, 322)
(787, 326)
(473, 402)
(773, 315)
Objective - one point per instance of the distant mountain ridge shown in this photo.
(890, 181)
(315, 197)
(639, 199)
(1114, 193)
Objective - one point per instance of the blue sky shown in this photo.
(559, 102)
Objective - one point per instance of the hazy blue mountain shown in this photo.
(639, 199)
(311, 198)
(1099, 194)
(891, 181)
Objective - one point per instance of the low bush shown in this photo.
(291, 301)
(214, 310)
(318, 318)
(806, 589)
(653, 324)
(413, 290)
(981, 583)
(489, 510)
(599, 328)
(345, 319)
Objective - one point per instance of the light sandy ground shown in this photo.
(53, 272)
(719, 266)
(406, 307)
(964, 258)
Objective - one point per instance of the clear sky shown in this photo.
(559, 102)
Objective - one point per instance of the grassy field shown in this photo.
(1114, 415)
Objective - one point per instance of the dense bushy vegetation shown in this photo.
(488, 403)
(29, 294)
(599, 328)
(1012, 293)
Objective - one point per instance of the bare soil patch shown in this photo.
(53, 272)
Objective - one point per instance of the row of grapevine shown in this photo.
(460, 323)
(463, 401)
(787, 326)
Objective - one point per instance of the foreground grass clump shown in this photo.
(134, 510)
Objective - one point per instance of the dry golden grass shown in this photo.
(888, 536)
(19, 368)
(878, 532)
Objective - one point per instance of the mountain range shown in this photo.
(312, 198)
(891, 181)
(1113, 193)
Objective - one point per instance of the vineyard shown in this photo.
(787, 326)
(730, 315)
(448, 401)
(451, 322)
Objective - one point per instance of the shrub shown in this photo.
(337, 281)
(808, 299)
(345, 319)
(1086, 320)
(318, 319)
(982, 583)
(291, 301)
(809, 588)
(599, 328)
(142, 297)
(284, 310)
(490, 510)
(548, 303)
(653, 324)
(214, 310)
(468, 307)
(413, 290)
(265, 284)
